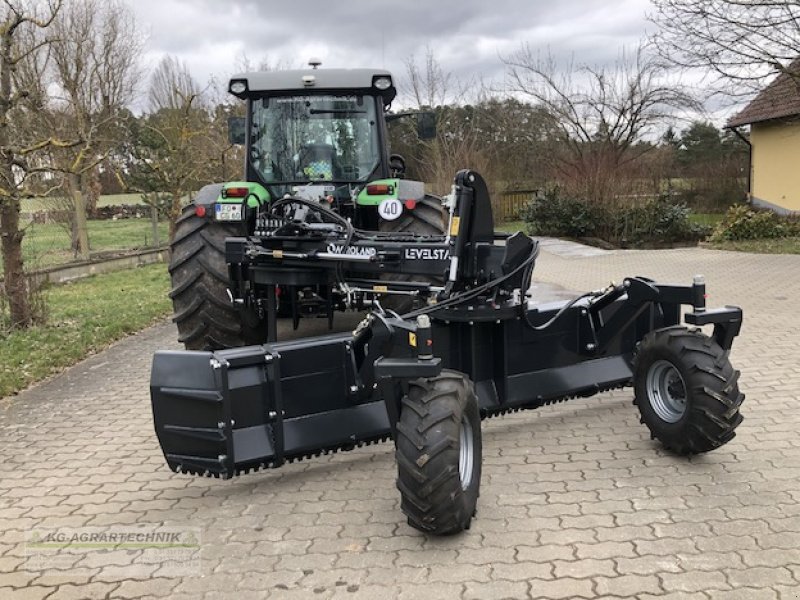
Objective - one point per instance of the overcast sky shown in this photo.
(467, 36)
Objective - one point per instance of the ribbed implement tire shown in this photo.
(706, 413)
(430, 434)
(427, 218)
(205, 317)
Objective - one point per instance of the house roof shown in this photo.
(781, 98)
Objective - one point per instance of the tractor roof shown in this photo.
(314, 80)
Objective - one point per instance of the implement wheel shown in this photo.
(438, 451)
(686, 390)
(427, 218)
(205, 317)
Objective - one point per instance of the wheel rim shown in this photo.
(666, 391)
(465, 453)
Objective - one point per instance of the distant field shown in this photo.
(36, 204)
(48, 245)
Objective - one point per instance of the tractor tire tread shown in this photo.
(205, 318)
(709, 380)
(427, 452)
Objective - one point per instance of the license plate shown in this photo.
(229, 212)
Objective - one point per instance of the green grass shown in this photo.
(48, 245)
(511, 226)
(708, 219)
(35, 204)
(83, 317)
(789, 245)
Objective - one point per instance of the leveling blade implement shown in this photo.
(479, 347)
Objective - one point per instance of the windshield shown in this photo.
(314, 138)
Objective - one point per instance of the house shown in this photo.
(774, 120)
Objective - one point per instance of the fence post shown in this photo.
(154, 223)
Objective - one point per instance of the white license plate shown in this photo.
(229, 212)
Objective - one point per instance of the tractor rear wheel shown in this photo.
(427, 218)
(438, 451)
(686, 390)
(203, 312)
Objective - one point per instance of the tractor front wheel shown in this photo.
(438, 451)
(686, 390)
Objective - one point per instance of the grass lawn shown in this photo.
(83, 317)
(511, 226)
(48, 245)
(709, 219)
(789, 245)
(36, 204)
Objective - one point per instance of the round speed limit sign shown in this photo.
(390, 209)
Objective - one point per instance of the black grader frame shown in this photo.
(425, 379)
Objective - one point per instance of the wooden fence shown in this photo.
(508, 205)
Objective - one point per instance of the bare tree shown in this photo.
(429, 85)
(243, 63)
(171, 85)
(172, 150)
(21, 43)
(741, 41)
(519, 137)
(601, 114)
(457, 144)
(95, 58)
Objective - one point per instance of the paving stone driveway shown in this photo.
(576, 500)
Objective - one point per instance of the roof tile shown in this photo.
(780, 99)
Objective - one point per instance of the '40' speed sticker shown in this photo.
(390, 209)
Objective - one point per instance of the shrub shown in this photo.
(659, 222)
(743, 222)
(654, 222)
(557, 215)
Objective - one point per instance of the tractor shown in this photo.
(324, 220)
(316, 145)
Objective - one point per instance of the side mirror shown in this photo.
(236, 130)
(426, 125)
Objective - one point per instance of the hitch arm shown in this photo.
(727, 323)
(640, 293)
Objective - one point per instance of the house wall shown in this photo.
(776, 164)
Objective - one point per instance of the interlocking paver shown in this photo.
(576, 502)
(28, 593)
(580, 569)
(694, 581)
(564, 587)
(496, 590)
(628, 585)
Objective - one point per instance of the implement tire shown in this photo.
(686, 390)
(438, 452)
(427, 218)
(205, 317)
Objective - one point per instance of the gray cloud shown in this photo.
(467, 36)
